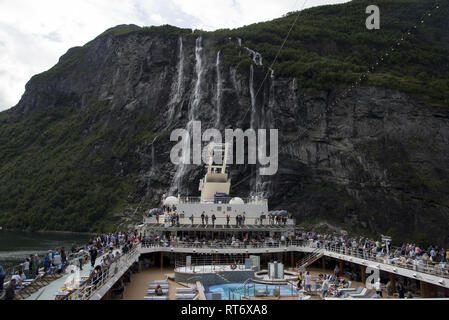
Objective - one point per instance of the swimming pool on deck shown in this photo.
(235, 291)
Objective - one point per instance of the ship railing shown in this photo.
(88, 288)
(220, 221)
(440, 269)
(223, 201)
(72, 260)
(209, 263)
(271, 244)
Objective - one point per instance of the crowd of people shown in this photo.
(408, 253)
(334, 285)
(57, 260)
(104, 245)
(172, 218)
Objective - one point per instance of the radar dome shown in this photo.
(171, 201)
(236, 201)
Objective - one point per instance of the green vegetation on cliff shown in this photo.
(54, 170)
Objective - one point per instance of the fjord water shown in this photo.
(16, 245)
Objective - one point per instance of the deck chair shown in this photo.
(160, 282)
(154, 286)
(185, 290)
(153, 293)
(41, 280)
(186, 296)
(367, 295)
(365, 292)
(347, 293)
(155, 298)
(346, 289)
(52, 272)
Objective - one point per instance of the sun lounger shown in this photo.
(185, 290)
(374, 296)
(152, 292)
(185, 296)
(154, 286)
(346, 289)
(155, 298)
(361, 294)
(367, 294)
(347, 293)
(160, 282)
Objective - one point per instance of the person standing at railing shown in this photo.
(213, 220)
(26, 268)
(10, 291)
(228, 218)
(63, 256)
(93, 255)
(207, 219)
(202, 218)
(2, 278)
(47, 261)
(95, 276)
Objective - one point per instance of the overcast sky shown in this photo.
(35, 33)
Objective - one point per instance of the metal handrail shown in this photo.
(220, 221)
(368, 255)
(219, 201)
(93, 285)
(90, 287)
(223, 245)
(354, 252)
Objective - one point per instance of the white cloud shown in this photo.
(34, 34)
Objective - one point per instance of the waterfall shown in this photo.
(193, 110)
(256, 56)
(253, 125)
(253, 97)
(264, 183)
(153, 157)
(177, 88)
(260, 118)
(199, 72)
(239, 40)
(219, 88)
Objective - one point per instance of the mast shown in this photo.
(216, 179)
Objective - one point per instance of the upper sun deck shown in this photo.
(231, 201)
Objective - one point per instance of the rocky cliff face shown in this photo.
(375, 162)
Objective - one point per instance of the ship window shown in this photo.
(218, 208)
(229, 209)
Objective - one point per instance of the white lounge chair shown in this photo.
(186, 296)
(367, 295)
(154, 286)
(155, 298)
(153, 293)
(185, 290)
(160, 282)
(361, 294)
(347, 293)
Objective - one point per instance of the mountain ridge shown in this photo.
(88, 143)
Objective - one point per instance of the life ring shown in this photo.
(233, 266)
